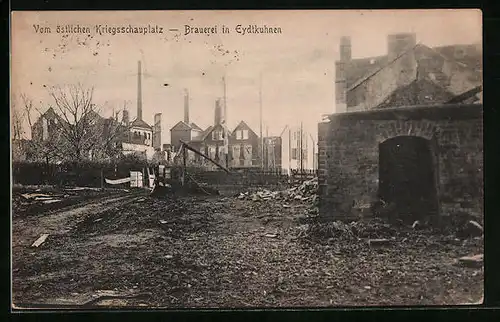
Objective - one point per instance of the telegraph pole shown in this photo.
(261, 137)
(226, 132)
(301, 151)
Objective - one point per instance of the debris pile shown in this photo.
(305, 192)
(373, 229)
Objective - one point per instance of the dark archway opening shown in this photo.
(407, 177)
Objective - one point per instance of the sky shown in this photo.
(296, 67)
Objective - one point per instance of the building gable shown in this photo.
(181, 126)
(243, 126)
(194, 126)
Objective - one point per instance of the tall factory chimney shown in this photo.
(186, 107)
(340, 75)
(218, 112)
(139, 92)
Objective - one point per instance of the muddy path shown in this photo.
(223, 252)
(60, 221)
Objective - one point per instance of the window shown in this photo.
(236, 152)
(217, 135)
(211, 151)
(248, 151)
(242, 135)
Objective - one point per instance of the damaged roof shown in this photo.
(466, 56)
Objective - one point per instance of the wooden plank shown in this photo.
(40, 240)
(203, 155)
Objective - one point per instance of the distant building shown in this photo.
(140, 138)
(273, 152)
(243, 142)
(184, 130)
(47, 126)
(410, 74)
(116, 137)
(244, 147)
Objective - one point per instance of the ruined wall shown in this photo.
(378, 87)
(349, 156)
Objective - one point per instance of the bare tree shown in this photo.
(17, 120)
(84, 130)
(74, 105)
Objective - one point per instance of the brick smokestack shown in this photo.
(399, 43)
(139, 91)
(218, 112)
(186, 107)
(345, 48)
(340, 75)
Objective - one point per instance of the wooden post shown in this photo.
(184, 156)
(102, 179)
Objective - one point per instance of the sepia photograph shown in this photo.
(246, 159)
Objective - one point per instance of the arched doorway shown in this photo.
(407, 176)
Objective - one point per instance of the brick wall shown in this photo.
(348, 156)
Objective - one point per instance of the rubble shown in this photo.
(208, 252)
(305, 192)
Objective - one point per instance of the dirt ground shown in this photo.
(128, 249)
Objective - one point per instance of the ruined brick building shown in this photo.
(408, 131)
(410, 74)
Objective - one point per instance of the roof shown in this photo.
(419, 92)
(360, 70)
(181, 125)
(378, 69)
(245, 125)
(468, 55)
(203, 135)
(195, 127)
(140, 124)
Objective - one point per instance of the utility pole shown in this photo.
(289, 151)
(261, 137)
(267, 147)
(226, 131)
(301, 152)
